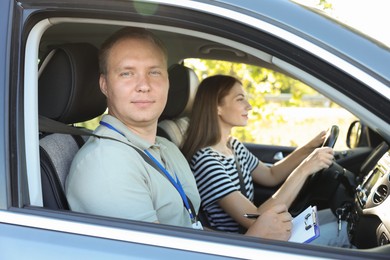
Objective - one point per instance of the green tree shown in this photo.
(324, 5)
(258, 82)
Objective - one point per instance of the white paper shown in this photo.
(305, 226)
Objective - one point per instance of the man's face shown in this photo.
(136, 84)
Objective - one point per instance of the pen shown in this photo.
(251, 216)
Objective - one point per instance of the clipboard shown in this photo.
(305, 226)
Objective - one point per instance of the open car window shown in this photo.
(285, 111)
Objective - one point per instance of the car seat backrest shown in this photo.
(174, 120)
(68, 92)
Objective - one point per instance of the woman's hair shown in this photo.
(123, 34)
(204, 128)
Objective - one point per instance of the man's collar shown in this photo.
(130, 135)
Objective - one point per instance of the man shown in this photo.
(109, 176)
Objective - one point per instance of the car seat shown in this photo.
(174, 120)
(68, 92)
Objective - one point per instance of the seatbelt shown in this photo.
(51, 126)
(240, 176)
(241, 229)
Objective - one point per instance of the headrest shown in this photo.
(183, 83)
(68, 85)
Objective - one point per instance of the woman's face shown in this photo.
(233, 109)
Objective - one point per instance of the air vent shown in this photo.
(380, 194)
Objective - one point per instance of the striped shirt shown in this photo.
(216, 176)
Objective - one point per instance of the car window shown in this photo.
(285, 111)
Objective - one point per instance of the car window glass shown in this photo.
(285, 111)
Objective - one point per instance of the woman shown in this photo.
(221, 104)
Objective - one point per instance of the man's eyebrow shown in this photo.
(134, 67)
(126, 67)
(157, 67)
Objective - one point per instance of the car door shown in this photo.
(29, 230)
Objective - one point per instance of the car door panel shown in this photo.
(268, 154)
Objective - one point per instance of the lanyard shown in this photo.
(176, 183)
(111, 127)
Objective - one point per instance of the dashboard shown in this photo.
(369, 221)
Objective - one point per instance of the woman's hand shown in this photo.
(320, 158)
(317, 141)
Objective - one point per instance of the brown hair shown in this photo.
(203, 128)
(127, 33)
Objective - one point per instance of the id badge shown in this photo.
(197, 225)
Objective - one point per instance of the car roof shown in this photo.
(305, 22)
(321, 28)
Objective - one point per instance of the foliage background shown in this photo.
(285, 111)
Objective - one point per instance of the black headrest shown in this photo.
(183, 83)
(68, 86)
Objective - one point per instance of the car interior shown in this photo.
(69, 94)
(174, 120)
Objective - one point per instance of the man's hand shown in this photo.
(274, 223)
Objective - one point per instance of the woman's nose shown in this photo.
(248, 107)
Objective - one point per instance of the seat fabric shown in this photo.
(56, 153)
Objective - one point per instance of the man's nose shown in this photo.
(143, 84)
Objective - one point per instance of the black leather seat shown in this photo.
(68, 92)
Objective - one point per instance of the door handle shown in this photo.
(278, 156)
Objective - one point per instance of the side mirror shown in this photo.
(354, 134)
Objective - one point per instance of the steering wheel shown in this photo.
(331, 136)
(313, 189)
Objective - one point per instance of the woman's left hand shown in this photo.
(317, 141)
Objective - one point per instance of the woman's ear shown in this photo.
(219, 110)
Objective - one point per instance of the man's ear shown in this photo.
(103, 84)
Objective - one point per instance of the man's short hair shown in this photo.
(127, 33)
